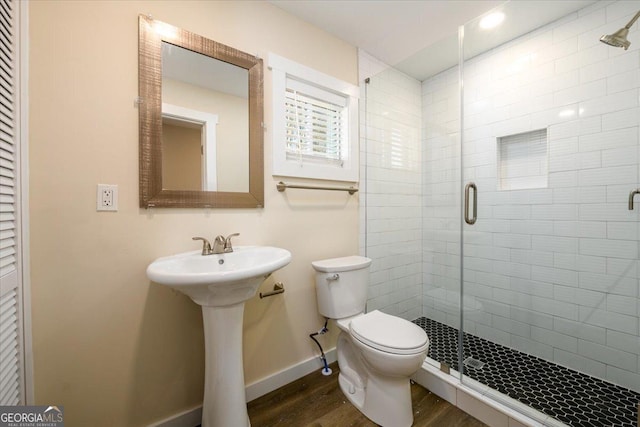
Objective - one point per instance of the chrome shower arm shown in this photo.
(633, 20)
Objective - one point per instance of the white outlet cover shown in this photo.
(101, 204)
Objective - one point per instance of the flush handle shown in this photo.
(333, 277)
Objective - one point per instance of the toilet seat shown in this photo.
(388, 333)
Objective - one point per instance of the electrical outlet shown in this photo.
(107, 197)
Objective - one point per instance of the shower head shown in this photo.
(619, 38)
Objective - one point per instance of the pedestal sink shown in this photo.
(221, 284)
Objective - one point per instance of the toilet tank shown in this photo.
(341, 285)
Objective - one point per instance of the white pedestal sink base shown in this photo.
(224, 394)
(221, 283)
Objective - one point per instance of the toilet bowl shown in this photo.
(377, 352)
(380, 352)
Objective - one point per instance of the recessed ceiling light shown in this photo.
(492, 20)
(567, 113)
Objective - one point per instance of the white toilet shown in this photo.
(377, 352)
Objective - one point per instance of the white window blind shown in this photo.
(11, 372)
(522, 160)
(315, 122)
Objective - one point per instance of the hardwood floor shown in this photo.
(317, 401)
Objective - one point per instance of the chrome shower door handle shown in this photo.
(631, 196)
(473, 219)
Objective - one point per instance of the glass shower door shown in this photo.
(391, 150)
(549, 143)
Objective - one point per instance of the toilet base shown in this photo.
(354, 393)
(384, 400)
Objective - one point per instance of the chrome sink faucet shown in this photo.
(220, 244)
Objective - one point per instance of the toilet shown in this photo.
(377, 352)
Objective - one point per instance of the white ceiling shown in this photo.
(419, 37)
(389, 30)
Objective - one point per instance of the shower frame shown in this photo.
(615, 222)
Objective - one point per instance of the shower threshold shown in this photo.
(574, 398)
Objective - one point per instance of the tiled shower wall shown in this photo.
(550, 271)
(391, 197)
(441, 197)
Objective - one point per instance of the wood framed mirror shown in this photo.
(201, 139)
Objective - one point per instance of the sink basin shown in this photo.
(219, 280)
(221, 284)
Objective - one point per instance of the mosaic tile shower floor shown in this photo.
(571, 397)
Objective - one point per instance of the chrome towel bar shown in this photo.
(281, 186)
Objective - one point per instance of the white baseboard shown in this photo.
(193, 417)
(284, 377)
(189, 418)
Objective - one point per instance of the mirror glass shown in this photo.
(201, 113)
(205, 116)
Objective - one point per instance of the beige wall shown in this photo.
(110, 346)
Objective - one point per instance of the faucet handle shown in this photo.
(227, 242)
(206, 246)
(218, 244)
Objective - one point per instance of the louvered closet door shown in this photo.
(11, 365)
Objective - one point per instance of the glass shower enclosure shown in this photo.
(499, 208)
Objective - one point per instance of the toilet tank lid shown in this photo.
(347, 263)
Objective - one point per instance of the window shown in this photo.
(314, 123)
(522, 160)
